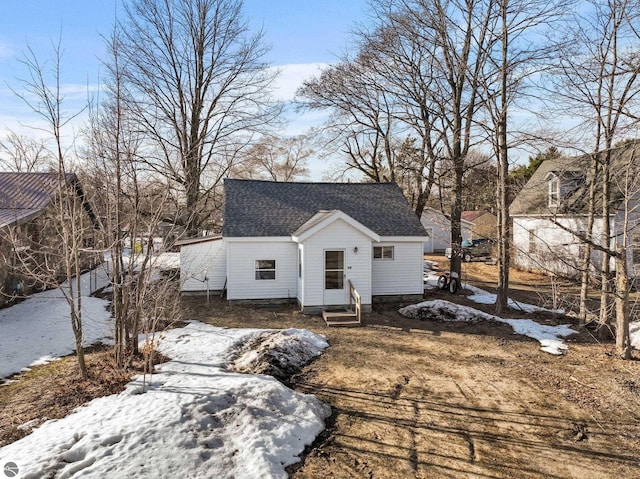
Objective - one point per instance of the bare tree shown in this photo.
(24, 154)
(627, 181)
(457, 36)
(44, 263)
(598, 80)
(405, 63)
(362, 117)
(276, 159)
(134, 204)
(417, 72)
(515, 58)
(199, 89)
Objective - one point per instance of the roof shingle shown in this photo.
(25, 195)
(575, 175)
(269, 208)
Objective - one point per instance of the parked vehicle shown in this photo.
(477, 248)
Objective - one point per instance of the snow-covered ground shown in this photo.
(197, 419)
(162, 261)
(480, 296)
(550, 337)
(38, 329)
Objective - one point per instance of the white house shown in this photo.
(203, 263)
(438, 229)
(550, 215)
(306, 241)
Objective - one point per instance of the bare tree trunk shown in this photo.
(605, 287)
(585, 274)
(504, 231)
(456, 214)
(623, 337)
(44, 97)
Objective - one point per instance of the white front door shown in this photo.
(335, 287)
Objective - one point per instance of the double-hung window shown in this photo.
(265, 269)
(554, 192)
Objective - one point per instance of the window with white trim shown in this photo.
(265, 269)
(383, 252)
(554, 192)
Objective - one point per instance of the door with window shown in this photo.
(335, 287)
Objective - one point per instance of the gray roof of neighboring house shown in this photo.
(24, 196)
(533, 199)
(574, 174)
(269, 208)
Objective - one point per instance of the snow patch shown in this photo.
(550, 337)
(277, 353)
(38, 330)
(197, 419)
(634, 329)
(481, 296)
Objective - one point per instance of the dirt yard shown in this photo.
(424, 399)
(430, 400)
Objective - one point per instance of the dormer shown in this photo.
(553, 195)
(560, 185)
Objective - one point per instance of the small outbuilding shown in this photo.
(437, 226)
(485, 224)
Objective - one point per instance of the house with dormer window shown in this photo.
(550, 214)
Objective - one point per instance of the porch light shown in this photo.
(355, 250)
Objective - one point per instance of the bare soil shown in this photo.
(421, 399)
(426, 399)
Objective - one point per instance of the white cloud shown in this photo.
(5, 51)
(292, 76)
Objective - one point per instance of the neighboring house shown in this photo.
(306, 242)
(438, 228)
(26, 225)
(550, 214)
(485, 224)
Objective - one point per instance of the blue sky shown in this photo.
(304, 35)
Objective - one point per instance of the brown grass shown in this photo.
(53, 390)
(415, 398)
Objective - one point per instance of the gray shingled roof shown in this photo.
(574, 173)
(24, 196)
(268, 208)
(533, 199)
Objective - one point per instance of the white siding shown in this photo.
(400, 275)
(539, 244)
(338, 235)
(203, 261)
(242, 257)
(440, 230)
